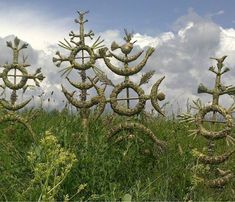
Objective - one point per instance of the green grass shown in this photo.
(105, 170)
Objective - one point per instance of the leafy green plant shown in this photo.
(50, 164)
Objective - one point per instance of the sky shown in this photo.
(185, 34)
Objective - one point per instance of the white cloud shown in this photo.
(182, 31)
(220, 12)
(109, 36)
(145, 40)
(227, 40)
(182, 55)
(33, 26)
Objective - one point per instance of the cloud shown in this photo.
(38, 28)
(145, 40)
(211, 15)
(182, 55)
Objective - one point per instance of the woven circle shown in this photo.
(11, 85)
(73, 55)
(214, 134)
(124, 110)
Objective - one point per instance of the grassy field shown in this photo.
(62, 165)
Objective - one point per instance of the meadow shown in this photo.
(61, 165)
(62, 156)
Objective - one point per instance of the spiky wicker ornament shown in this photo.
(86, 62)
(127, 71)
(214, 179)
(19, 71)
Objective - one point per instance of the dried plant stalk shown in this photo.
(145, 77)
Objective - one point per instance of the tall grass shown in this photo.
(106, 170)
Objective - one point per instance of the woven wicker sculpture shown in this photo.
(15, 71)
(82, 57)
(215, 177)
(128, 71)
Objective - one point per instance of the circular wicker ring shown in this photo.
(214, 134)
(11, 85)
(123, 110)
(86, 65)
